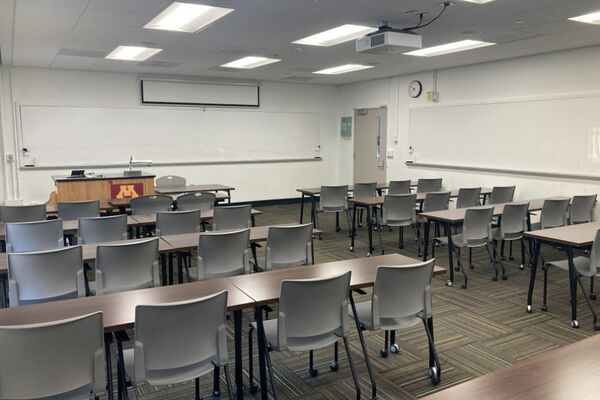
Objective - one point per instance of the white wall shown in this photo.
(561, 73)
(252, 181)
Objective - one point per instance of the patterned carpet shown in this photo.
(478, 330)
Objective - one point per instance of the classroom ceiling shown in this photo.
(77, 34)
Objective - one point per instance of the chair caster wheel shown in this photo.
(456, 269)
(369, 254)
(383, 353)
(394, 348)
(596, 327)
(504, 277)
(338, 229)
(253, 388)
(449, 283)
(574, 324)
(464, 286)
(522, 267)
(351, 248)
(313, 372)
(494, 278)
(334, 366)
(511, 258)
(592, 296)
(471, 266)
(320, 237)
(360, 225)
(435, 379)
(528, 309)
(544, 308)
(216, 393)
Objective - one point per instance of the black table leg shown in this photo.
(262, 349)
(450, 256)
(313, 211)
(253, 248)
(534, 263)
(179, 268)
(353, 233)
(572, 286)
(426, 240)
(170, 268)
(301, 208)
(370, 229)
(239, 377)
(107, 354)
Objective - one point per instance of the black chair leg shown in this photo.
(545, 303)
(351, 363)
(592, 294)
(311, 364)
(334, 366)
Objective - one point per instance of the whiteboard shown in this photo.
(64, 136)
(554, 135)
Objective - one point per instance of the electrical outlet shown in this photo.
(10, 158)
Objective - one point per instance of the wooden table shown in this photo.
(119, 311)
(215, 187)
(370, 203)
(455, 217)
(150, 219)
(124, 204)
(569, 237)
(570, 372)
(265, 288)
(101, 187)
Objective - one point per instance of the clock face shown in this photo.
(415, 88)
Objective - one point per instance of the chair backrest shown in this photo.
(196, 330)
(78, 209)
(102, 229)
(364, 190)
(468, 197)
(34, 236)
(399, 187)
(502, 194)
(36, 212)
(595, 254)
(53, 360)
(232, 217)
(514, 220)
(438, 201)
(477, 227)
(333, 198)
(151, 204)
(309, 308)
(170, 181)
(399, 292)
(582, 209)
(176, 222)
(399, 209)
(42, 276)
(223, 253)
(196, 201)
(289, 246)
(554, 212)
(429, 185)
(127, 266)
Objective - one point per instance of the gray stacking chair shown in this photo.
(78, 209)
(468, 197)
(398, 211)
(151, 204)
(34, 236)
(401, 298)
(196, 201)
(311, 315)
(170, 181)
(29, 213)
(334, 199)
(477, 232)
(399, 187)
(435, 201)
(43, 276)
(126, 266)
(425, 185)
(588, 267)
(176, 222)
(102, 229)
(363, 190)
(196, 331)
(221, 254)
(502, 194)
(232, 217)
(288, 246)
(512, 226)
(53, 360)
(554, 213)
(582, 209)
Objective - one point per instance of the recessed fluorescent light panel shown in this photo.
(132, 53)
(337, 35)
(186, 17)
(250, 62)
(342, 69)
(593, 18)
(449, 48)
(478, 1)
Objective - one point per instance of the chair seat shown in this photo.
(145, 285)
(296, 344)
(331, 209)
(498, 234)
(459, 241)
(194, 273)
(582, 265)
(363, 311)
(396, 223)
(172, 375)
